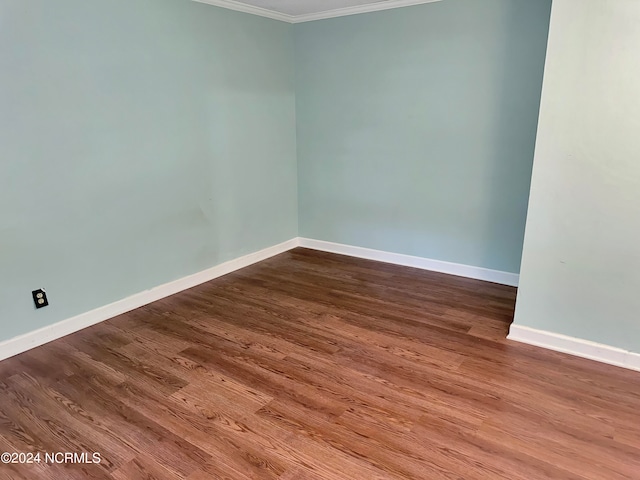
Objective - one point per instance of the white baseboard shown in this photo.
(457, 269)
(30, 340)
(575, 346)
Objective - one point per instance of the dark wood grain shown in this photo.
(318, 366)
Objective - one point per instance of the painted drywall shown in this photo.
(416, 128)
(140, 141)
(581, 263)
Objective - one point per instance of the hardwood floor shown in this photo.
(317, 366)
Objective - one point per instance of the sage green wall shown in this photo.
(141, 141)
(581, 264)
(416, 128)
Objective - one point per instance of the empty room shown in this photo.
(320, 239)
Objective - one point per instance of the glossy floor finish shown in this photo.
(317, 366)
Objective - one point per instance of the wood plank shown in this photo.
(315, 366)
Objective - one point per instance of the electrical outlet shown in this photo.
(40, 298)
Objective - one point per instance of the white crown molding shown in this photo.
(576, 347)
(243, 7)
(33, 339)
(340, 12)
(372, 7)
(468, 271)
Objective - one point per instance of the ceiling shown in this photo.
(296, 11)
